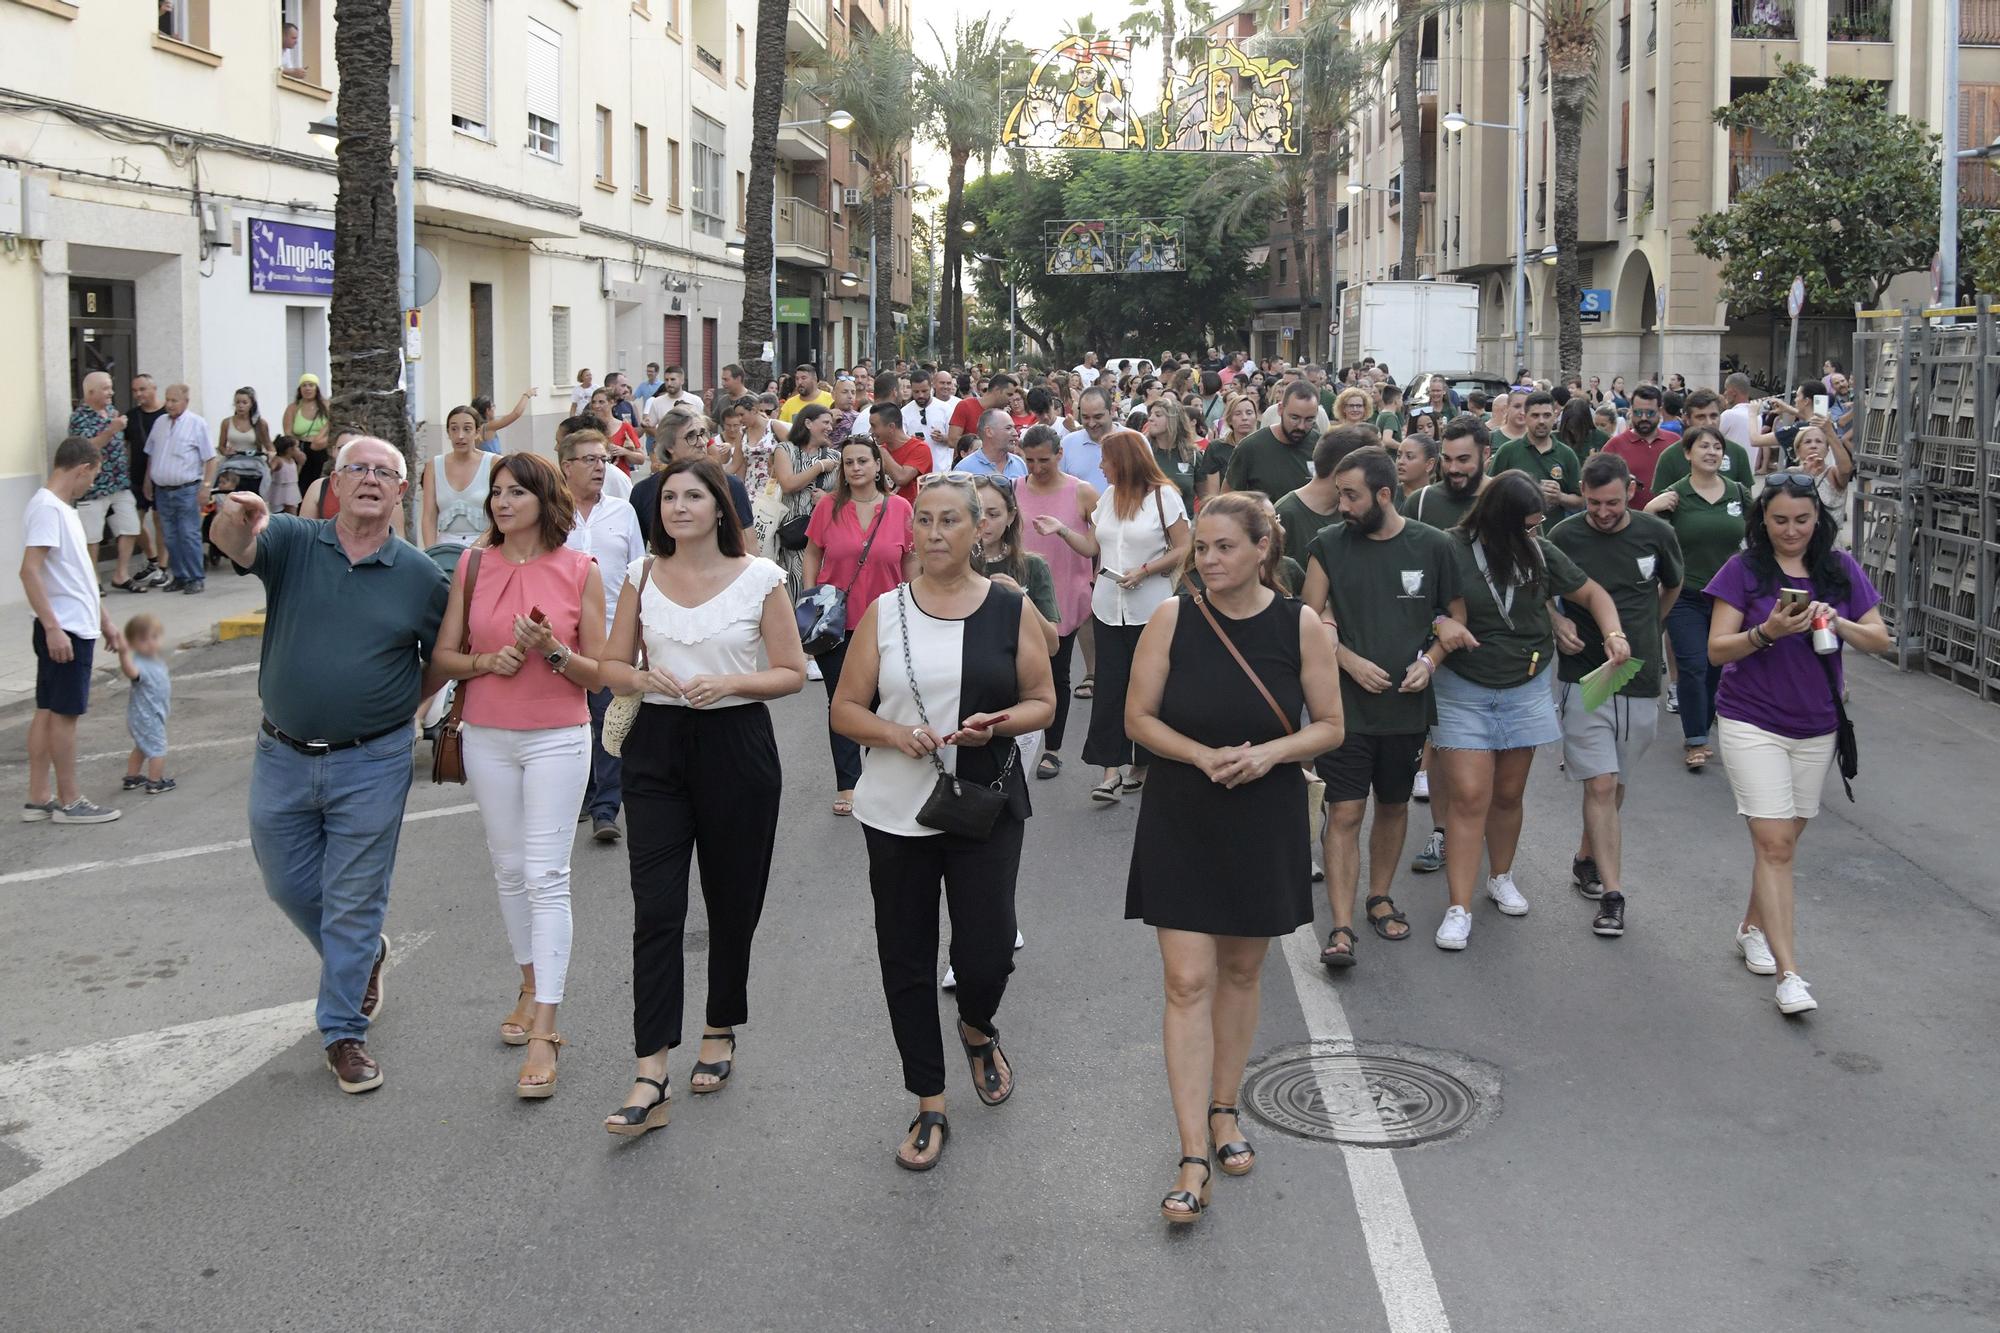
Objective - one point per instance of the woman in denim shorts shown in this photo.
(1495, 703)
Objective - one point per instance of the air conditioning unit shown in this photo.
(850, 196)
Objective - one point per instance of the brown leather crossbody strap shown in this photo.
(1283, 721)
(457, 709)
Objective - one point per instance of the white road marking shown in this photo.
(242, 742)
(79, 1108)
(241, 668)
(1395, 1249)
(182, 853)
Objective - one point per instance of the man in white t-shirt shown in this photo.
(1088, 372)
(607, 530)
(1739, 415)
(60, 580)
(944, 401)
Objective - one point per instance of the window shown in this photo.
(742, 198)
(673, 173)
(742, 56)
(185, 21)
(710, 152)
(604, 145)
(1282, 277)
(673, 17)
(470, 29)
(544, 90)
(299, 40)
(642, 167)
(559, 344)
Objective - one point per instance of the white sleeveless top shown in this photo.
(721, 637)
(462, 514)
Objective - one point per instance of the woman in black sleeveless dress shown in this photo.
(1221, 858)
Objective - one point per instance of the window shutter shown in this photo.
(468, 60)
(395, 35)
(708, 362)
(1625, 134)
(544, 72)
(673, 349)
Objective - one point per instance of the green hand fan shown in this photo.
(1607, 680)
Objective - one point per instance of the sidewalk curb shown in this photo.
(249, 626)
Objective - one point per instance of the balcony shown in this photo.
(1979, 22)
(1625, 42)
(805, 26)
(710, 59)
(1761, 19)
(1624, 183)
(1858, 20)
(803, 143)
(1978, 185)
(1653, 27)
(804, 233)
(1427, 74)
(1749, 170)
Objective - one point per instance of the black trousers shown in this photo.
(1107, 746)
(978, 878)
(846, 754)
(1059, 665)
(697, 784)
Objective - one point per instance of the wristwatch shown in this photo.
(557, 658)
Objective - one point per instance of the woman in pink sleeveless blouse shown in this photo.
(1070, 501)
(527, 727)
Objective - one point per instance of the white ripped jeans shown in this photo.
(529, 785)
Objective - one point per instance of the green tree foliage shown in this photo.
(1857, 206)
(1067, 314)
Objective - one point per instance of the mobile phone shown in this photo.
(535, 614)
(1794, 597)
(1111, 574)
(990, 722)
(1821, 404)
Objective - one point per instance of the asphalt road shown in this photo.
(1656, 1147)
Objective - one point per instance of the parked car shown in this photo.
(1419, 389)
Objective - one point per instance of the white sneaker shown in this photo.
(1500, 888)
(1422, 791)
(1455, 929)
(1794, 996)
(1020, 940)
(812, 669)
(950, 978)
(1756, 951)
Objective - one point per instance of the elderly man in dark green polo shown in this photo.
(353, 613)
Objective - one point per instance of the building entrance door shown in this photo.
(103, 334)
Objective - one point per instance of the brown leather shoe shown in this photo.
(349, 1060)
(371, 999)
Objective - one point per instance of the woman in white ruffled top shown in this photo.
(701, 771)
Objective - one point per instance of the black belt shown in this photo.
(174, 486)
(318, 748)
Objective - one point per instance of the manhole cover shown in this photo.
(1373, 1101)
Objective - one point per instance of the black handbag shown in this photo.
(1846, 749)
(792, 532)
(821, 610)
(955, 805)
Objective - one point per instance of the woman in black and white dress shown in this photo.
(944, 672)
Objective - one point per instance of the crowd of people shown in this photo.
(1291, 591)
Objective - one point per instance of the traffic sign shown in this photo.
(1795, 301)
(1594, 304)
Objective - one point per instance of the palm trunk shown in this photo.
(1295, 203)
(1321, 173)
(365, 326)
(1408, 51)
(1168, 31)
(881, 273)
(767, 108)
(951, 326)
(1568, 94)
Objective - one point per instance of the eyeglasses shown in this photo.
(1794, 477)
(590, 460)
(360, 470)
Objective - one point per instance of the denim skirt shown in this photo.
(1474, 717)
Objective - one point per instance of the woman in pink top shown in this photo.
(527, 727)
(1070, 501)
(841, 528)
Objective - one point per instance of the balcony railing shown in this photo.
(1979, 22)
(1978, 184)
(1761, 19)
(1624, 181)
(709, 58)
(1652, 174)
(1748, 170)
(1427, 75)
(1653, 27)
(804, 225)
(1858, 20)
(1625, 42)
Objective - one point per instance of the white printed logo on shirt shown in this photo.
(1413, 582)
(1735, 509)
(1647, 564)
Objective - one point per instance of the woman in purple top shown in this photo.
(1776, 718)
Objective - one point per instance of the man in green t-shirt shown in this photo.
(1549, 462)
(1311, 507)
(1390, 418)
(1636, 558)
(1381, 582)
(1463, 453)
(1277, 459)
(1704, 408)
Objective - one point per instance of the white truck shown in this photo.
(1415, 327)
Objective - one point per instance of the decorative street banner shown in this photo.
(289, 259)
(1113, 245)
(1078, 96)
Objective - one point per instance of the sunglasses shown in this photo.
(1794, 478)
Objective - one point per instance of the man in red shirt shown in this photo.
(1642, 444)
(907, 457)
(965, 417)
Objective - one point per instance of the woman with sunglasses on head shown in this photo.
(1218, 682)
(1239, 422)
(859, 539)
(941, 676)
(526, 641)
(806, 467)
(1778, 708)
(715, 636)
(1706, 510)
(1172, 440)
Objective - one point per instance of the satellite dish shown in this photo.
(428, 275)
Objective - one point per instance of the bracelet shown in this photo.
(1617, 634)
(1759, 641)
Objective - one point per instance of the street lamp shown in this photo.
(1455, 122)
(326, 132)
(1011, 302)
(1548, 255)
(968, 226)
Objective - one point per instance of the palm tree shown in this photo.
(1252, 187)
(767, 108)
(365, 326)
(874, 80)
(1334, 76)
(1409, 53)
(961, 96)
(1155, 20)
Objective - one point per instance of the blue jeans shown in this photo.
(1687, 629)
(180, 522)
(324, 831)
(605, 791)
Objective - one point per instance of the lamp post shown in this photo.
(1011, 302)
(914, 186)
(1454, 122)
(1355, 190)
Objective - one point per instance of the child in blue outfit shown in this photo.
(147, 706)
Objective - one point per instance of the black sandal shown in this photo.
(718, 1070)
(924, 1123)
(1048, 766)
(1332, 957)
(987, 1086)
(1191, 1203)
(1226, 1154)
(633, 1121)
(1381, 922)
